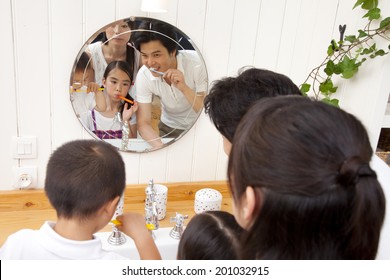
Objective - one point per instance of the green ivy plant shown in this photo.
(346, 56)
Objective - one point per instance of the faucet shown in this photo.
(125, 131)
(151, 217)
(177, 231)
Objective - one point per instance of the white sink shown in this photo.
(165, 244)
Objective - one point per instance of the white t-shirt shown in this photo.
(46, 244)
(176, 111)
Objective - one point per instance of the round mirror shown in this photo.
(139, 84)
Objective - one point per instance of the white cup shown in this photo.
(207, 200)
(161, 200)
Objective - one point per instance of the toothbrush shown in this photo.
(84, 90)
(118, 223)
(125, 99)
(155, 71)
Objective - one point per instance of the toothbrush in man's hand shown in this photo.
(155, 71)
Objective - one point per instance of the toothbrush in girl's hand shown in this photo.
(125, 99)
(155, 71)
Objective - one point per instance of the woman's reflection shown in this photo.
(177, 77)
(114, 44)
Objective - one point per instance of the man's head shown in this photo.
(82, 176)
(230, 98)
(157, 43)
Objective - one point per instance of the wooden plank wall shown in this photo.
(41, 38)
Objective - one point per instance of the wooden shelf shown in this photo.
(30, 208)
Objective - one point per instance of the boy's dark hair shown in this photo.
(317, 197)
(156, 31)
(83, 63)
(83, 175)
(230, 98)
(211, 235)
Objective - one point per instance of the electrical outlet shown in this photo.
(25, 177)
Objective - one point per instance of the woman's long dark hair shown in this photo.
(308, 163)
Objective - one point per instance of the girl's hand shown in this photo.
(127, 113)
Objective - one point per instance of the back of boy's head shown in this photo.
(82, 176)
(212, 235)
(231, 97)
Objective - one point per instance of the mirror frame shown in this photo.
(183, 43)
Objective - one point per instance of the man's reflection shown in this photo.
(177, 77)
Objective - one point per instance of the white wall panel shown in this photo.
(270, 25)
(8, 112)
(217, 37)
(191, 20)
(287, 36)
(98, 13)
(288, 39)
(216, 47)
(65, 30)
(32, 56)
(244, 29)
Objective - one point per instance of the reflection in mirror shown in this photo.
(139, 84)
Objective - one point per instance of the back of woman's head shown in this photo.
(212, 235)
(309, 164)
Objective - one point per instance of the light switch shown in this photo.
(28, 148)
(24, 147)
(20, 148)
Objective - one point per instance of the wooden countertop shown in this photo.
(30, 208)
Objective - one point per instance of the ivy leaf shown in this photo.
(362, 34)
(366, 4)
(369, 50)
(378, 53)
(373, 14)
(330, 50)
(327, 87)
(333, 102)
(305, 88)
(349, 67)
(351, 38)
(329, 69)
(385, 23)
